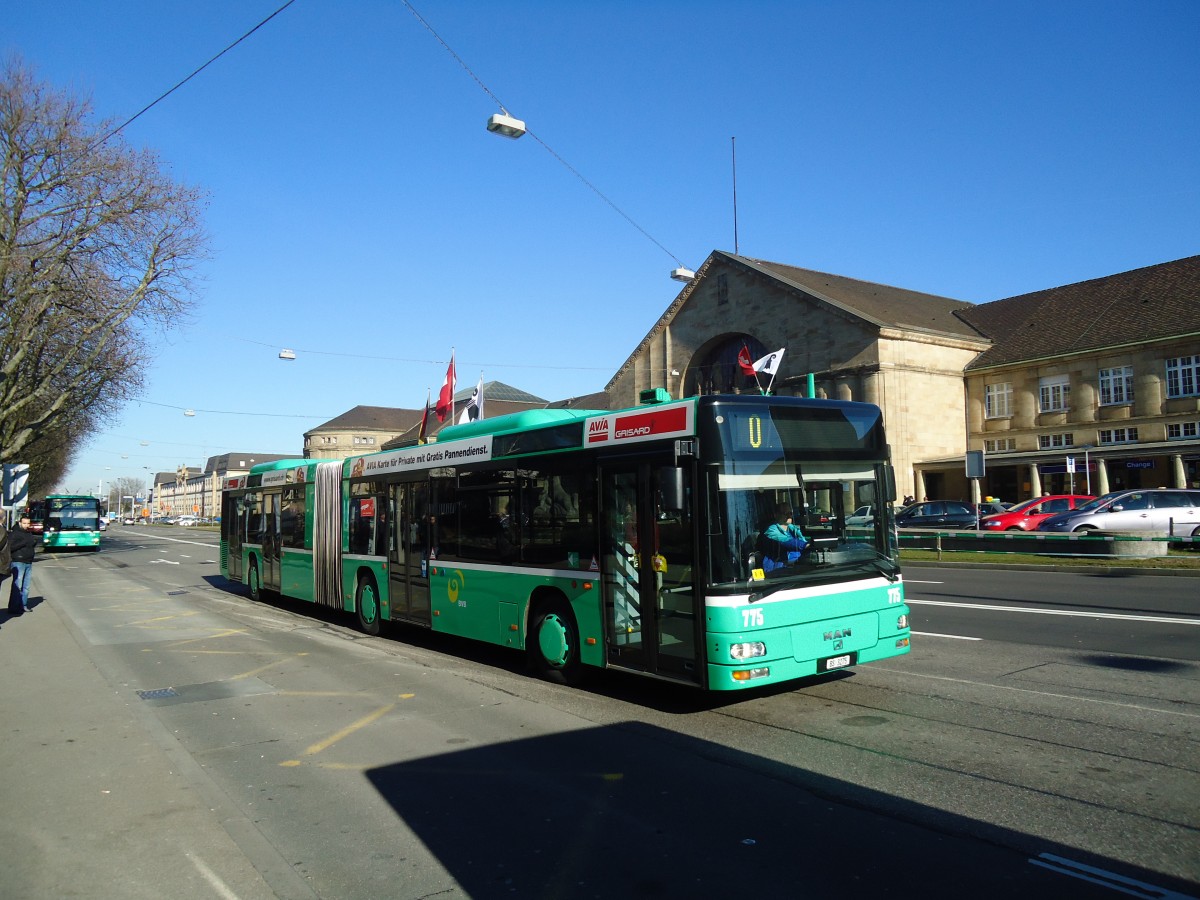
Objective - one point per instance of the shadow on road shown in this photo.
(633, 811)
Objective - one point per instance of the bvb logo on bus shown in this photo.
(454, 585)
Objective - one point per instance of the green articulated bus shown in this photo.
(595, 539)
(71, 520)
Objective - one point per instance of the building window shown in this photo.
(997, 400)
(1181, 430)
(367, 441)
(1183, 376)
(1055, 441)
(722, 289)
(1054, 393)
(1118, 435)
(1000, 445)
(1116, 385)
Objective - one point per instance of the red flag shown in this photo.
(744, 362)
(424, 419)
(446, 395)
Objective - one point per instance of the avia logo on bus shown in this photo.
(643, 425)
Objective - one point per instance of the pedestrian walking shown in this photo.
(21, 544)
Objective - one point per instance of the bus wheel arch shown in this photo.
(367, 603)
(552, 642)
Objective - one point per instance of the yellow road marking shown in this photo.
(230, 632)
(349, 730)
(185, 615)
(254, 672)
(320, 746)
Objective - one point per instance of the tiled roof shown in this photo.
(243, 460)
(373, 418)
(1155, 302)
(497, 390)
(879, 303)
(598, 400)
(500, 399)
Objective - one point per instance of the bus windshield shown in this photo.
(76, 514)
(798, 468)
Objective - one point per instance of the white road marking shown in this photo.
(1054, 612)
(1104, 878)
(953, 637)
(212, 878)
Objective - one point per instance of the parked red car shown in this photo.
(1026, 516)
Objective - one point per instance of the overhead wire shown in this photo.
(483, 86)
(167, 94)
(405, 359)
(544, 145)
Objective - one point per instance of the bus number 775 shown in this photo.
(752, 617)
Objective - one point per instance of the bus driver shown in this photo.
(782, 541)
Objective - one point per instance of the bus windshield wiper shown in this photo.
(887, 567)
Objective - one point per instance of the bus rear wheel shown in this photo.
(366, 604)
(553, 643)
(254, 582)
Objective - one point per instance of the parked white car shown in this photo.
(864, 515)
(186, 520)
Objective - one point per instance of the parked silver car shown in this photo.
(1159, 511)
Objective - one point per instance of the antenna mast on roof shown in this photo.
(733, 150)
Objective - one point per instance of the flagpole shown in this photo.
(422, 432)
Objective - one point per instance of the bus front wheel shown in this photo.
(366, 603)
(553, 643)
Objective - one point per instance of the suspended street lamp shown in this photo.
(505, 125)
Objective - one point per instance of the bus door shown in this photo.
(408, 550)
(233, 523)
(649, 595)
(270, 541)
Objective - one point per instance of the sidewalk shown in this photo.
(97, 799)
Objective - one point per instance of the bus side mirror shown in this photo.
(889, 477)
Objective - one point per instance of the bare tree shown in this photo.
(97, 247)
(128, 487)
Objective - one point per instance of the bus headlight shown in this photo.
(748, 650)
(901, 622)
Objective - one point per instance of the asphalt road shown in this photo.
(1013, 752)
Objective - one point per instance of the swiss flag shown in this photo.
(744, 362)
(445, 401)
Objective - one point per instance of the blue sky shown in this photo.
(361, 214)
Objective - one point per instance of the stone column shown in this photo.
(1035, 481)
(1180, 474)
(1083, 404)
(1101, 484)
(1024, 406)
(870, 387)
(1148, 394)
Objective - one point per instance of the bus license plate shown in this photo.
(836, 662)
